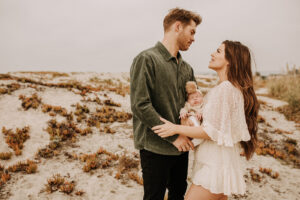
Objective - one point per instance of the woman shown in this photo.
(229, 126)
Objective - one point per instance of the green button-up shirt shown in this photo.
(157, 88)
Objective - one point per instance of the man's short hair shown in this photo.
(182, 15)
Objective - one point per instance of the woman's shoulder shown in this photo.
(225, 86)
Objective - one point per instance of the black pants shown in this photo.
(161, 172)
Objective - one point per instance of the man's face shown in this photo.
(186, 36)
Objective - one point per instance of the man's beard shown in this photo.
(182, 44)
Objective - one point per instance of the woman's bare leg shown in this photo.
(196, 192)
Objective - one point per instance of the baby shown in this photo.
(193, 107)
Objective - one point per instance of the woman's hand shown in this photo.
(165, 130)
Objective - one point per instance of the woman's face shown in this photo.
(218, 61)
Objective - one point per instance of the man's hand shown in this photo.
(183, 143)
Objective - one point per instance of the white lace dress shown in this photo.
(218, 165)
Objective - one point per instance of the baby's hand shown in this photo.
(199, 116)
(183, 115)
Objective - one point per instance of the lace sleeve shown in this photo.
(224, 117)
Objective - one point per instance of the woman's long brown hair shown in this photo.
(239, 73)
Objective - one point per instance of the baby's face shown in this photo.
(195, 99)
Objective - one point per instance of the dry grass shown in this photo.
(107, 115)
(67, 187)
(54, 183)
(264, 148)
(30, 102)
(57, 182)
(5, 155)
(261, 119)
(126, 166)
(53, 110)
(109, 130)
(279, 131)
(52, 149)
(110, 102)
(68, 130)
(68, 85)
(81, 112)
(114, 86)
(255, 176)
(79, 192)
(286, 151)
(126, 163)
(101, 81)
(290, 113)
(269, 172)
(134, 176)
(28, 167)
(54, 74)
(16, 140)
(96, 100)
(62, 131)
(4, 176)
(259, 82)
(127, 169)
(9, 88)
(287, 88)
(101, 159)
(118, 88)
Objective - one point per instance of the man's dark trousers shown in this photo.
(161, 172)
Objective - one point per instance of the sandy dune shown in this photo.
(101, 183)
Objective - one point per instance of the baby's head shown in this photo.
(195, 98)
(194, 95)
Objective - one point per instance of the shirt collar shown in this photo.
(166, 54)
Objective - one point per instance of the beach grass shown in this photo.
(287, 88)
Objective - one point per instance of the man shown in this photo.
(157, 88)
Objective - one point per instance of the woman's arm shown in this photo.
(169, 129)
(192, 131)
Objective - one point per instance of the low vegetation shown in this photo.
(5, 155)
(16, 140)
(28, 167)
(285, 87)
(4, 176)
(57, 182)
(8, 89)
(30, 102)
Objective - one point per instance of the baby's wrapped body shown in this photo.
(192, 112)
(193, 107)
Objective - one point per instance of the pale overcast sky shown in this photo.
(105, 35)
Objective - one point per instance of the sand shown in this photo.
(101, 183)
